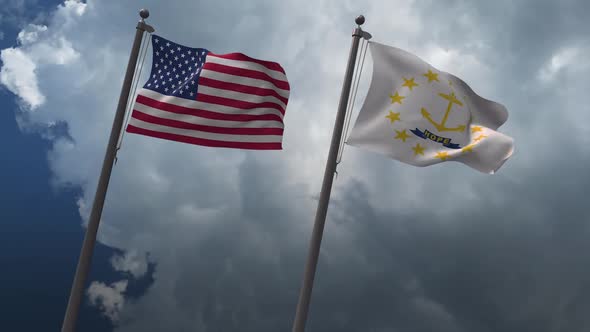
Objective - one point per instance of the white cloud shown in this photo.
(39, 48)
(131, 262)
(30, 34)
(108, 299)
(560, 60)
(18, 76)
(73, 7)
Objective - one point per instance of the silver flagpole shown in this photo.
(320, 218)
(85, 258)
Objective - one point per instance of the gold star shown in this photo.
(409, 83)
(431, 76)
(475, 129)
(393, 116)
(442, 155)
(468, 148)
(401, 135)
(480, 137)
(418, 149)
(396, 98)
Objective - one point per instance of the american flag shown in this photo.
(219, 100)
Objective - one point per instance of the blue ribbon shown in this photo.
(449, 145)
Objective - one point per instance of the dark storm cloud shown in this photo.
(512, 264)
(516, 39)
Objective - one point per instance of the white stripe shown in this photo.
(244, 81)
(246, 65)
(205, 135)
(193, 104)
(240, 96)
(204, 121)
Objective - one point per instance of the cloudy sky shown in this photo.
(201, 239)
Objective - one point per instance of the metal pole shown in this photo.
(320, 218)
(85, 258)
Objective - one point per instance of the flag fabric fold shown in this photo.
(422, 116)
(217, 100)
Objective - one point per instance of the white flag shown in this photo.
(421, 116)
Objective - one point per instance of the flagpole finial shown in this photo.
(360, 20)
(144, 13)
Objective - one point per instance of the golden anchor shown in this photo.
(441, 126)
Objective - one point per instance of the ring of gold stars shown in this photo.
(402, 135)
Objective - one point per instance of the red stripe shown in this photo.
(245, 73)
(204, 142)
(205, 114)
(209, 129)
(241, 88)
(245, 105)
(242, 57)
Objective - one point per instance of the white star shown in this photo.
(175, 58)
(155, 81)
(191, 94)
(157, 86)
(161, 48)
(167, 44)
(166, 55)
(167, 73)
(159, 71)
(174, 69)
(177, 76)
(174, 87)
(162, 60)
(157, 53)
(154, 76)
(186, 61)
(156, 40)
(156, 65)
(182, 55)
(179, 82)
(171, 51)
(161, 76)
(149, 84)
(179, 65)
(166, 89)
(170, 79)
(178, 48)
(193, 82)
(193, 58)
(183, 72)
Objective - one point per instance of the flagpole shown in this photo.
(85, 258)
(320, 218)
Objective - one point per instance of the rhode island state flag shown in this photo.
(421, 116)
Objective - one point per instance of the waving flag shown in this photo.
(421, 116)
(218, 100)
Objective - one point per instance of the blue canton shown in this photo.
(175, 68)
